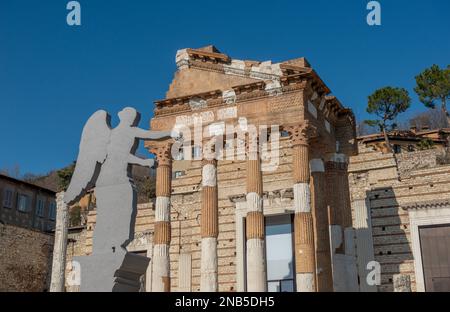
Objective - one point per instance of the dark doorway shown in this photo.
(435, 245)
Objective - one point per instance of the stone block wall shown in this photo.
(408, 162)
(25, 259)
(185, 217)
(186, 209)
(388, 183)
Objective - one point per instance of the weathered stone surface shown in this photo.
(263, 93)
(60, 245)
(386, 183)
(25, 259)
(402, 283)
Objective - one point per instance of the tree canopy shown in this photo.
(65, 175)
(386, 104)
(433, 86)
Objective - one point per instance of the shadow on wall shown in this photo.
(391, 237)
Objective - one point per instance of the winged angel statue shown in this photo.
(104, 161)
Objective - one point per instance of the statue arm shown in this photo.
(133, 160)
(152, 135)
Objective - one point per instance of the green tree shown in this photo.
(386, 104)
(425, 144)
(75, 216)
(433, 86)
(64, 177)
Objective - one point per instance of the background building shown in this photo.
(408, 141)
(26, 205)
(27, 216)
(401, 213)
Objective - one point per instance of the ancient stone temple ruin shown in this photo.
(272, 218)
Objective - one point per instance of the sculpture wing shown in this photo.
(92, 153)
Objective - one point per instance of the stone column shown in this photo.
(321, 230)
(344, 194)
(305, 262)
(364, 241)
(60, 245)
(256, 257)
(209, 227)
(162, 233)
(342, 234)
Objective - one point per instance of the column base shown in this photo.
(160, 276)
(208, 280)
(256, 270)
(305, 282)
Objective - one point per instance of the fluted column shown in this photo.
(303, 220)
(60, 245)
(339, 198)
(342, 234)
(255, 234)
(321, 229)
(162, 232)
(209, 227)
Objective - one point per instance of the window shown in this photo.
(40, 207)
(229, 145)
(7, 198)
(179, 155)
(52, 211)
(279, 253)
(284, 134)
(197, 152)
(178, 174)
(22, 203)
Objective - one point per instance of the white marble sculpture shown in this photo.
(104, 162)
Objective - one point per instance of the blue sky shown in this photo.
(53, 76)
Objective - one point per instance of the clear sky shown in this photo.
(54, 76)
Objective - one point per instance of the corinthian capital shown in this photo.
(302, 133)
(162, 151)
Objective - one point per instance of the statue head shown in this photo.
(129, 116)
